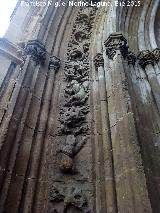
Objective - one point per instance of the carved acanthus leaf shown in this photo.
(146, 57)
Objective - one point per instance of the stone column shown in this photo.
(146, 61)
(105, 147)
(40, 144)
(131, 189)
(21, 128)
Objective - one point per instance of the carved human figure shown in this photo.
(78, 93)
(67, 152)
(77, 71)
(73, 120)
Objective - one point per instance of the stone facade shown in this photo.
(80, 109)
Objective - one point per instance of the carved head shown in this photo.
(74, 82)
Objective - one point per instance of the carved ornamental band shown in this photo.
(37, 50)
(73, 131)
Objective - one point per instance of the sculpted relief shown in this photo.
(73, 127)
(68, 200)
(73, 114)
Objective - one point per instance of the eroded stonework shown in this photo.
(73, 113)
(80, 109)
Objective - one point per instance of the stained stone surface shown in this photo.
(80, 110)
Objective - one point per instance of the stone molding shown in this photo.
(37, 50)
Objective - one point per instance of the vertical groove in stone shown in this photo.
(106, 159)
(127, 162)
(40, 200)
(99, 189)
(28, 127)
(38, 144)
(18, 78)
(23, 142)
(9, 134)
(130, 180)
(152, 79)
(147, 123)
(16, 152)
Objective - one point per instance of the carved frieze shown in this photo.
(76, 93)
(37, 50)
(77, 70)
(73, 114)
(73, 119)
(146, 57)
(116, 42)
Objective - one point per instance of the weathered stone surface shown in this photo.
(79, 109)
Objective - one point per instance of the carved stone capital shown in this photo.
(146, 57)
(131, 58)
(98, 60)
(54, 63)
(115, 42)
(156, 53)
(37, 50)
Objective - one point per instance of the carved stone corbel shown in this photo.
(54, 63)
(37, 50)
(146, 57)
(116, 42)
(98, 60)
